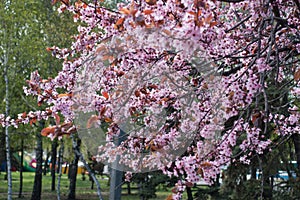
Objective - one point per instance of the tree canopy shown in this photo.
(194, 84)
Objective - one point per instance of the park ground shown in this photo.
(83, 188)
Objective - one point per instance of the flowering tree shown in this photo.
(187, 81)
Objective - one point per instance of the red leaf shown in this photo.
(137, 93)
(125, 11)
(212, 24)
(107, 119)
(57, 119)
(100, 49)
(67, 125)
(189, 184)
(174, 190)
(167, 32)
(49, 112)
(67, 2)
(151, 2)
(119, 24)
(24, 115)
(59, 134)
(148, 12)
(33, 120)
(102, 112)
(120, 21)
(206, 164)
(48, 130)
(54, 2)
(297, 75)
(120, 73)
(49, 48)
(231, 94)
(91, 121)
(200, 172)
(255, 116)
(64, 95)
(208, 19)
(49, 92)
(105, 94)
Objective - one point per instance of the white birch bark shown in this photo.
(7, 142)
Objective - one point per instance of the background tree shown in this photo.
(26, 31)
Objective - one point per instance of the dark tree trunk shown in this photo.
(73, 174)
(296, 140)
(93, 170)
(53, 162)
(61, 151)
(267, 183)
(77, 152)
(128, 188)
(92, 186)
(189, 193)
(66, 168)
(21, 168)
(253, 172)
(267, 193)
(37, 186)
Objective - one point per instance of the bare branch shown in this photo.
(297, 4)
(238, 24)
(27, 103)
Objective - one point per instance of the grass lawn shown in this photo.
(83, 188)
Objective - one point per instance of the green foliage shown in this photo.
(148, 183)
(27, 28)
(237, 183)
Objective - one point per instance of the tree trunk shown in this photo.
(7, 142)
(189, 193)
(61, 150)
(73, 173)
(66, 168)
(60, 155)
(53, 162)
(46, 165)
(128, 188)
(267, 193)
(253, 172)
(296, 140)
(21, 168)
(2, 147)
(37, 186)
(79, 154)
(115, 188)
(116, 176)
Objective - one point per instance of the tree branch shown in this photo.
(238, 24)
(297, 4)
(27, 103)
